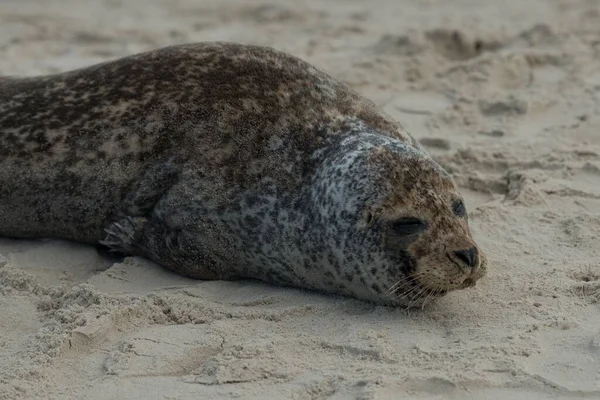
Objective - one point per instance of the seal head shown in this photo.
(403, 227)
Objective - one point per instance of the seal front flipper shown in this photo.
(138, 204)
(141, 230)
(172, 248)
(146, 192)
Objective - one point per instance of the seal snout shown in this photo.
(471, 262)
(469, 257)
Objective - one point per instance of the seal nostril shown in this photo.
(470, 257)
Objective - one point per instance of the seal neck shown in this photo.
(343, 186)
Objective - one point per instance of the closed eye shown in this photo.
(408, 226)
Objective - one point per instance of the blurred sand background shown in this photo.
(504, 94)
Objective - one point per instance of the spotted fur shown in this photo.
(227, 161)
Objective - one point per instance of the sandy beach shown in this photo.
(504, 95)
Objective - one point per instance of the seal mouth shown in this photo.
(469, 282)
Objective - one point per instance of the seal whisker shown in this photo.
(432, 294)
(417, 296)
(397, 285)
(411, 291)
(424, 295)
(410, 279)
(406, 290)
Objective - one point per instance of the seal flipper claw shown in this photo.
(120, 236)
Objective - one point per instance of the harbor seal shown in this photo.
(230, 161)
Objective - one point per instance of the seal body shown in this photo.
(229, 161)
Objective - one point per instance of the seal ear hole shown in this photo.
(369, 217)
(459, 209)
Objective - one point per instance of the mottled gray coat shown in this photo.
(224, 161)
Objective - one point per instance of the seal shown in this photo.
(229, 161)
